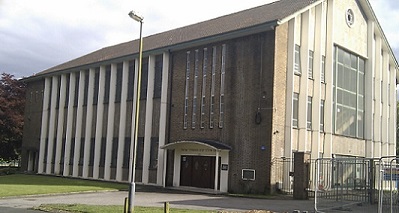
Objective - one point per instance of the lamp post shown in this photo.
(132, 187)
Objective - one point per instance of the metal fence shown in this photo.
(343, 182)
(388, 176)
(339, 183)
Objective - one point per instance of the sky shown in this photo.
(37, 35)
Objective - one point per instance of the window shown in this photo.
(309, 114)
(297, 62)
(96, 86)
(144, 79)
(212, 104)
(348, 90)
(322, 116)
(186, 90)
(310, 70)
(154, 152)
(196, 73)
(323, 69)
(204, 70)
(107, 83)
(158, 76)
(295, 110)
(119, 74)
(222, 85)
(248, 174)
(130, 82)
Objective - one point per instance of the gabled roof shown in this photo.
(269, 13)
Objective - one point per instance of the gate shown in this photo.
(388, 175)
(343, 182)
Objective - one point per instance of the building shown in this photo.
(221, 100)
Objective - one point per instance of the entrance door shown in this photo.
(197, 171)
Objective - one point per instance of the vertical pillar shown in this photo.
(290, 88)
(217, 170)
(368, 99)
(303, 87)
(289, 99)
(89, 124)
(79, 124)
(301, 175)
(392, 111)
(52, 129)
(136, 72)
(60, 125)
(122, 121)
(69, 124)
(148, 118)
(328, 106)
(44, 126)
(317, 68)
(377, 97)
(385, 104)
(111, 121)
(99, 123)
(163, 118)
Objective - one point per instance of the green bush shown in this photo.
(8, 170)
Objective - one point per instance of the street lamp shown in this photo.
(132, 187)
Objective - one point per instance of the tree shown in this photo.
(12, 104)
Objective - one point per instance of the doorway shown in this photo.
(197, 171)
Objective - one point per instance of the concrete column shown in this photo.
(303, 87)
(217, 170)
(89, 124)
(122, 121)
(99, 122)
(136, 72)
(44, 126)
(329, 63)
(368, 99)
(111, 121)
(317, 68)
(52, 129)
(79, 124)
(163, 118)
(385, 105)
(69, 124)
(289, 99)
(60, 125)
(290, 88)
(392, 111)
(148, 118)
(377, 98)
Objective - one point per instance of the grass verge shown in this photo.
(21, 184)
(78, 208)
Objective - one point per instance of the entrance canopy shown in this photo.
(216, 145)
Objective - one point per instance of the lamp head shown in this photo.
(136, 17)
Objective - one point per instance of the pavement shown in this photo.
(156, 197)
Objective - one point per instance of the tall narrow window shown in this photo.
(297, 62)
(186, 90)
(310, 70)
(348, 89)
(195, 90)
(295, 110)
(309, 114)
(322, 115)
(323, 69)
(222, 85)
(212, 104)
(204, 70)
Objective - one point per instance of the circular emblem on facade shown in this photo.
(350, 17)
